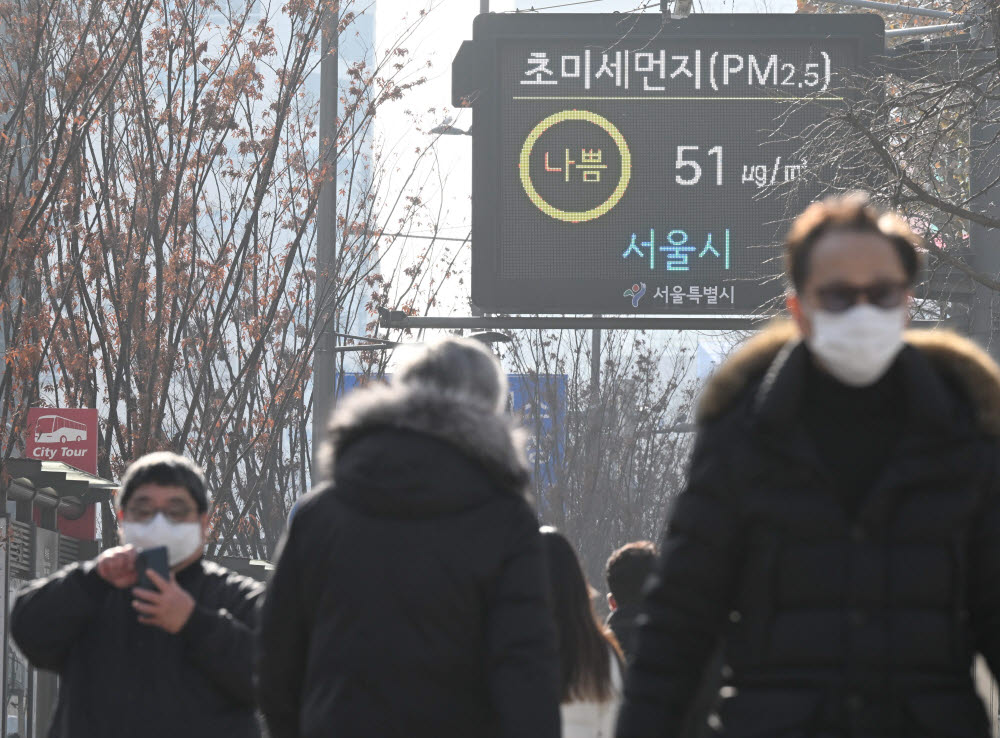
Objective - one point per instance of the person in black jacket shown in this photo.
(839, 531)
(409, 598)
(626, 572)
(173, 662)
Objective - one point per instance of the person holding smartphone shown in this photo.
(174, 659)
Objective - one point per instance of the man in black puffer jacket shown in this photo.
(409, 598)
(840, 532)
(171, 663)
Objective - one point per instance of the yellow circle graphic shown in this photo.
(569, 215)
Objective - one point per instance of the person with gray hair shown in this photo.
(167, 657)
(409, 596)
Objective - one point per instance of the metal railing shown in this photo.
(69, 550)
(19, 540)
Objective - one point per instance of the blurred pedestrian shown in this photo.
(626, 572)
(589, 656)
(410, 595)
(174, 661)
(838, 534)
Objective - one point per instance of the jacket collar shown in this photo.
(192, 571)
(492, 439)
(624, 614)
(779, 396)
(775, 361)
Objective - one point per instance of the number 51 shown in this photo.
(695, 167)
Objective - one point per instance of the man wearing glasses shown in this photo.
(174, 660)
(839, 537)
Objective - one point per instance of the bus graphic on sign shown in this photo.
(56, 429)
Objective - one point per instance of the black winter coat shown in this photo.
(409, 599)
(122, 679)
(623, 623)
(830, 625)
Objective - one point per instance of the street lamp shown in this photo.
(682, 8)
(387, 318)
(490, 337)
(449, 130)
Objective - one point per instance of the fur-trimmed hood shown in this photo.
(958, 359)
(479, 433)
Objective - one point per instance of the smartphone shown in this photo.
(155, 559)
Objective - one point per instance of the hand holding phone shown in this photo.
(162, 603)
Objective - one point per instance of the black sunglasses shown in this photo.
(837, 298)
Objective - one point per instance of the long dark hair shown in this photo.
(585, 645)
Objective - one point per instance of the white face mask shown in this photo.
(858, 345)
(181, 539)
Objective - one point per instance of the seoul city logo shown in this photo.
(636, 292)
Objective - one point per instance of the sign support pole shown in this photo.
(595, 362)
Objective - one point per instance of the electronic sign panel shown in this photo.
(626, 165)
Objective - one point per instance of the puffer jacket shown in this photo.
(830, 624)
(409, 597)
(120, 678)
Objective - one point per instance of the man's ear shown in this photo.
(612, 602)
(205, 525)
(798, 314)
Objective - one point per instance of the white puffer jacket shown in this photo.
(595, 719)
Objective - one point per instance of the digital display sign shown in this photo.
(626, 165)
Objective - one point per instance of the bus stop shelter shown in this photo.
(36, 495)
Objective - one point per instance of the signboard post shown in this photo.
(70, 436)
(624, 165)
